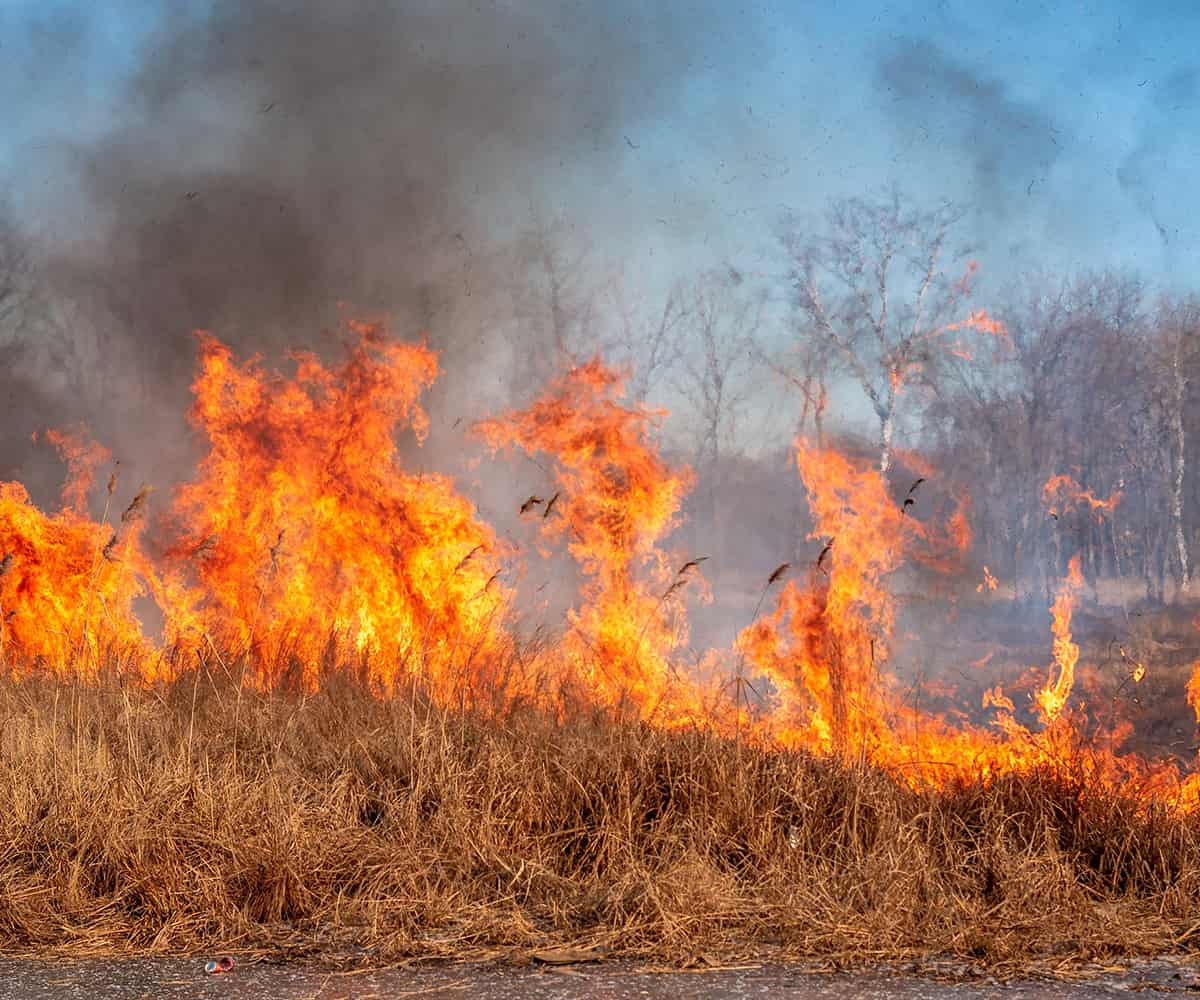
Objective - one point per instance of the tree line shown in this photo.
(1063, 405)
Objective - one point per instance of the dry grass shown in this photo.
(193, 817)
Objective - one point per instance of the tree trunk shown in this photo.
(887, 428)
(1180, 468)
(1147, 544)
(1019, 549)
(819, 413)
(1116, 546)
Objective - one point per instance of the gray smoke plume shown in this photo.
(963, 115)
(1151, 174)
(267, 161)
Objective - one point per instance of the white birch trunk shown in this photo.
(887, 428)
(1180, 468)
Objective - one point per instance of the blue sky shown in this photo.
(1073, 129)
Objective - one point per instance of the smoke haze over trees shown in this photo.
(470, 172)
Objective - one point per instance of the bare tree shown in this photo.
(557, 302)
(648, 344)
(713, 377)
(16, 344)
(15, 272)
(722, 328)
(876, 290)
(1072, 395)
(1177, 330)
(805, 368)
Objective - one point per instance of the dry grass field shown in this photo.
(193, 815)
(345, 741)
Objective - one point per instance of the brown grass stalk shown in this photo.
(345, 822)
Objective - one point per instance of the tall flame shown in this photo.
(1053, 697)
(303, 545)
(302, 534)
(615, 500)
(825, 644)
(68, 583)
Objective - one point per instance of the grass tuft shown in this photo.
(199, 815)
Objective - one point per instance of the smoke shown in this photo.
(264, 162)
(964, 116)
(1150, 175)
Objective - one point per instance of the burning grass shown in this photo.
(342, 743)
(195, 814)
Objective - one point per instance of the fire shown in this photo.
(958, 528)
(1053, 697)
(1193, 690)
(976, 321)
(303, 545)
(994, 697)
(68, 583)
(825, 647)
(302, 536)
(615, 502)
(964, 283)
(980, 321)
(1062, 493)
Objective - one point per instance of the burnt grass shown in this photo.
(338, 824)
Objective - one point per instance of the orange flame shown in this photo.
(989, 582)
(303, 545)
(1062, 493)
(825, 646)
(995, 698)
(980, 321)
(68, 583)
(1053, 697)
(617, 500)
(304, 535)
